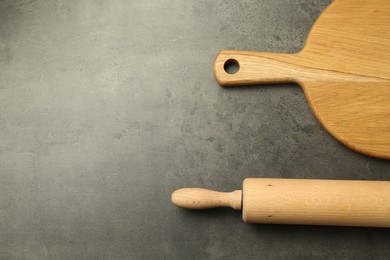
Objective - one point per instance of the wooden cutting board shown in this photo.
(344, 70)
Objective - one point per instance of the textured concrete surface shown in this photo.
(106, 107)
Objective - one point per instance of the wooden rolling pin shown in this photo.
(297, 201)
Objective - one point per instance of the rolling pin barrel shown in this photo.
(317, 202)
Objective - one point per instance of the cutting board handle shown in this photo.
(197, 198)
(257, 68)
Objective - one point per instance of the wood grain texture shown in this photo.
(316, 202)
(344, 70)
(197, 198)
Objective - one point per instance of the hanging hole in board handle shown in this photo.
(231, 66)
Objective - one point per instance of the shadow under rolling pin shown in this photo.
(299, 201)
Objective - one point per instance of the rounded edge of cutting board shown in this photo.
(366, 149)
(313, 26)
(362, 149)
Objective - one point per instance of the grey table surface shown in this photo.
(106, 107)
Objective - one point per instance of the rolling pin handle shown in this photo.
(197, 198)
